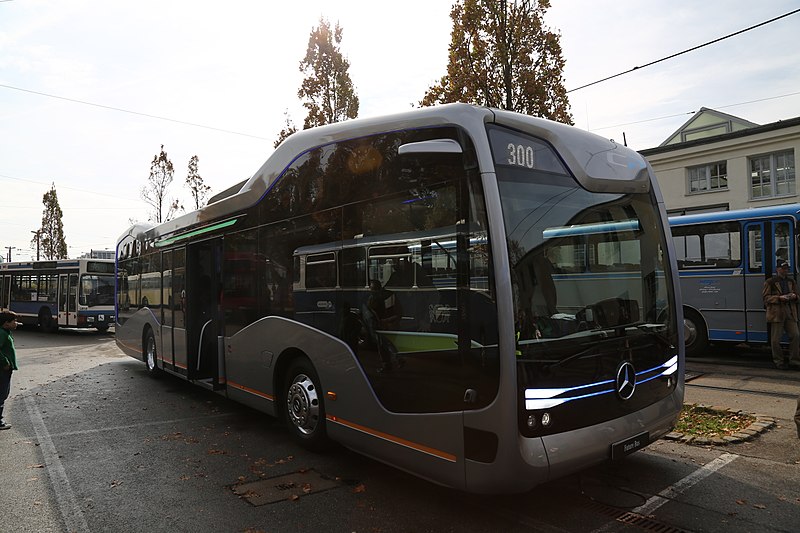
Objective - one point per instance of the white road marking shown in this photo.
(139, 425)
(71, 513)
(684, 484)
(674, 490)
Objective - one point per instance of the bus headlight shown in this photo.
(531, 421)
(546, 419)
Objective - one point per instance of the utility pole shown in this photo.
(37, 232)
(9, 248)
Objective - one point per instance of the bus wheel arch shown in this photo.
(150, 351)
(301, 402)
(695, 332)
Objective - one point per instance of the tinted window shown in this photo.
(359, 170)
(355, 212)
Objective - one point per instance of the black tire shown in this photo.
(150, 353)
(303, 406)
(46, 322)
(103, 328)
(695, 334)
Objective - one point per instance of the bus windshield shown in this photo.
(96, 290)
(585, 267)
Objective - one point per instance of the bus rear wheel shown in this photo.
(303, 405)
(150, 353)
(695, 334)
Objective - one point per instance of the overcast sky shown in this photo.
(231, 69)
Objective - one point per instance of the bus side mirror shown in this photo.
(434, 146)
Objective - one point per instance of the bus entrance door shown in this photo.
(63, 298)
(755, 268)
(5, 291)
(202, 322)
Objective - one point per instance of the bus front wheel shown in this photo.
(303, 407)
(150, 353)
(695, 334)
(46, 321)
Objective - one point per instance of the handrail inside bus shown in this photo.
(200, 347)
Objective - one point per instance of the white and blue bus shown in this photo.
(72, 293)
(478, 297)
(723, 259)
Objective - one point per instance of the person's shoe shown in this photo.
(5, 426)
(782, 366)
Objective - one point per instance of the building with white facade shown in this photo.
(718, 162)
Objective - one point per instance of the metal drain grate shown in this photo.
(281, 488)
(633, 519)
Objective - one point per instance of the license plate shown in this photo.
(629, 445)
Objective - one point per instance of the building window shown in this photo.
(711, 177)
(772, 175)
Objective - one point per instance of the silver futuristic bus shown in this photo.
(481, 298)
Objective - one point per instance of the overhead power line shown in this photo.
(60, 187)
(686, 51)
(121, 110)
(693, 112)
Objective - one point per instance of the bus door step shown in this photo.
(209, 383)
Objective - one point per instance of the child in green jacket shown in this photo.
(8, 358)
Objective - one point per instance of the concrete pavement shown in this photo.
(762, 391)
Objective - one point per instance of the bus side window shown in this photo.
(755, 249)
(353, 268)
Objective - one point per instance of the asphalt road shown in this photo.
(97, 445)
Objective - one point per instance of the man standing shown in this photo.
(780, 300)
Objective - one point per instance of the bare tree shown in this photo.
(197, 187)
(288, 129)
(155, 192)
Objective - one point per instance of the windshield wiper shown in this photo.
(653, 330)
(597, 338)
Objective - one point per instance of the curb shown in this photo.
(762, 424)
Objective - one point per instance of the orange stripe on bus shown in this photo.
(392, 438)
(269, 397)
(131, 347)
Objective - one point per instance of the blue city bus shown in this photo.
(723, 259)
(72, 293)
(478, 297)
